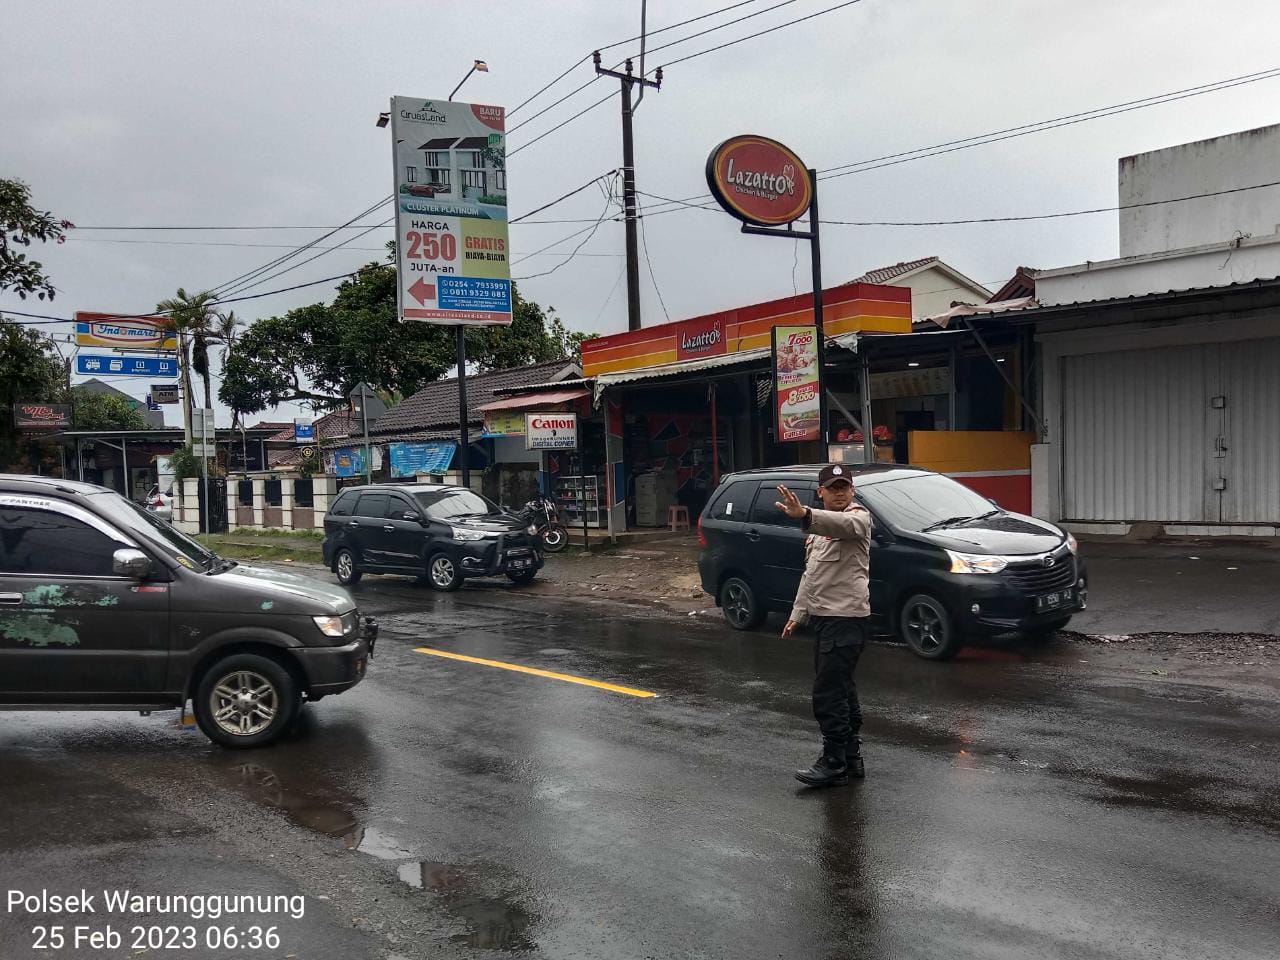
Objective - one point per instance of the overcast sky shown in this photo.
(262, 114)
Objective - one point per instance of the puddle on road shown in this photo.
(492, 923)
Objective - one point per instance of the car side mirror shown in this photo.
(412, 517)
(131, 563)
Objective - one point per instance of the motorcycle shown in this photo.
(543, 513)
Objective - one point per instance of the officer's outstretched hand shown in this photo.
(788, 630)
(790, 505)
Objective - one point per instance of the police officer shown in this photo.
(833, 598)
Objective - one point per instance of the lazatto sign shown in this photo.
(759, 181)
(551, 431)
(700, 337)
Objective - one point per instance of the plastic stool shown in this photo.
(677, 518)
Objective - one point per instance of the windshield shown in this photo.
(447, 504)
(129, 516)
(915, 503)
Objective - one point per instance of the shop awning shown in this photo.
(522, 401)
(681, 368)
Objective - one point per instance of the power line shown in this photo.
(610, 173)
(644, 239)
(752, 36)
(589, 231)
(289, 269)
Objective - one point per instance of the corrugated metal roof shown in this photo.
(742, 357)
(885, 274)
(519, 401)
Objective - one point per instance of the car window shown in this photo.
(131, 518)
(397, 507)
(914, 503)
(372, 505)
(765, 511)
(343, 505)
(45, 543)
(443, 504)
(734, 502)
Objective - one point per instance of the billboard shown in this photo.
(551, 431)
(797, 386)
(304, 430)
(164, 393)
(452, 251)
(41, 416)
(131, 333)
(759, 181)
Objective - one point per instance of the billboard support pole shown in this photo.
(815, 253)
(464, 441)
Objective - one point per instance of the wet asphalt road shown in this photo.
(1019, 803)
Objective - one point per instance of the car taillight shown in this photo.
(702, 537)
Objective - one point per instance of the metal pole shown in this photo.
(204, 462)
(124, 458)
(815, 252)
(79, 462)
(464, 464)
(368, 454)
(868, 442)
(629, 207)
(951, 393)
(715, 453)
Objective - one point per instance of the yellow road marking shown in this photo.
(566, 677)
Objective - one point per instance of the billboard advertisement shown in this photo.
(551, 431)
(111, 365)
(41, 416)
(131, 333)
(452, 250)
(797, 384)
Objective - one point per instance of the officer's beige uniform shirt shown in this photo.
(837, 560)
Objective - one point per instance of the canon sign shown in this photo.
(551, 431)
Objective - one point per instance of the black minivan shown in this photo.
(105, 606)
(946, 562)
(440, 533)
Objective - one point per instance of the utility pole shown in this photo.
(629, 80)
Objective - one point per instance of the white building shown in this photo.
(1160, 370)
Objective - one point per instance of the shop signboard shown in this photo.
(123, 333)
(410, 459)
(503, 423)
(551, 431)
(304, 430)
(111, 365)
(348, 461)
(451, 212)
(164, 393)
(700, 337)
(41, 416)
(797, 386)
(759, 181)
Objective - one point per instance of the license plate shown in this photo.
(520, 564)
(1052, 601)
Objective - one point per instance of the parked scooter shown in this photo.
(542, 512)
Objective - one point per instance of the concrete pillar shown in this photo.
(286, 502)
(324, 488)
(259, 501)
(190, 522)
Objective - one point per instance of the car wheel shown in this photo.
(246, 700)
(927, 629)
(443, 573)
(1046, 631)
(346, 569)
(522, 578)
(741, 606)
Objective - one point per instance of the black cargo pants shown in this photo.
(837, 645)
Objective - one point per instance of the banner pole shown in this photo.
(815, 252)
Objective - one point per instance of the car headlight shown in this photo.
(531, 529)
(332, 626)
(468, 535)
(976, 563)
(1072, 545)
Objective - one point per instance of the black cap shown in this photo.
(832, 472)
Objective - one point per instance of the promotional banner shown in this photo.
(797, 384)
(503, 423)
(410, 459)
(348, 461)
(111, 365)
(133, 333)
(551, 431)
(452, 251)
(41, 416)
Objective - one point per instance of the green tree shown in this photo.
(20, 224)
(30, 369)
(193, 318)
(106, 411)
(534, 335)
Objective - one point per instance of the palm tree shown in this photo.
(226, 329)
(191, 317)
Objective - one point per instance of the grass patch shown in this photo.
(236, 549)
(242, 532)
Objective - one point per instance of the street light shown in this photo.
(477, 65)
(383, 119)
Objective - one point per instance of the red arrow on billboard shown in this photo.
(423, 291)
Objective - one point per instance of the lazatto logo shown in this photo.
(701, 342)
(553, 423)
(802, 394)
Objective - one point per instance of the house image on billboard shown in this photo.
(458, 169)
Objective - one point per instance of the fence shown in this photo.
(263, 502)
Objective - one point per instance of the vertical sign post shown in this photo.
(767, 186)
(452, 250)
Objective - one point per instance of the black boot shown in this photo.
(853, 759)
(825, 772)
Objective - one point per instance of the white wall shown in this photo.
(1222, 163)
(933, 292)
